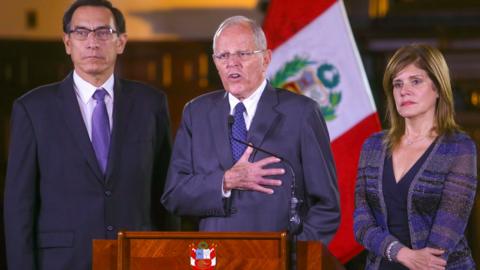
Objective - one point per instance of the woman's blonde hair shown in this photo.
(433, 63)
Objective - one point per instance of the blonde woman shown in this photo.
(416, 180)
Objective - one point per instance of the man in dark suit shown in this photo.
(88, 155)
(234, 188)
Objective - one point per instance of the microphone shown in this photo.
(295, 222)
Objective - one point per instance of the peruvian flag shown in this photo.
(314, 54)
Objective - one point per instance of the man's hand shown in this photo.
(425, 258)
(245, 175)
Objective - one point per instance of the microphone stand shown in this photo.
(295, 222)
(293, 252)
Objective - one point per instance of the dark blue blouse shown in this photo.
(395, 196)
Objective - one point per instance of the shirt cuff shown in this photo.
(225, 194)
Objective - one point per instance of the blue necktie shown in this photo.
(100, 129)
(239, 131)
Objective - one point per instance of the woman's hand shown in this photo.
(421, 259)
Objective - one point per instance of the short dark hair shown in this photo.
(117, 14)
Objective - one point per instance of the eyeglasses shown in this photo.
(242, 55)
(102, 33)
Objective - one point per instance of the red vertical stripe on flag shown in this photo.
(346, 151)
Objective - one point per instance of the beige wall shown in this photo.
(13, 22)
(13, 18)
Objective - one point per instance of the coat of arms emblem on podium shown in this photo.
(202, 257)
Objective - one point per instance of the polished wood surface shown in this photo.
(150, 250)
(313, 255)
(171, 250)
(104, 254)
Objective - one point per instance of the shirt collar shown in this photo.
(85, 89)
(251, 102)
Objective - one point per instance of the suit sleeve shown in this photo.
(320, 180)
(457, 200)
(21, 184)
(162, 219)
(189, 192)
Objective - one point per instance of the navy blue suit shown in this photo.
(284, 123)
(56, 198)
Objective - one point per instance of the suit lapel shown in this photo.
(121, 107)
(218, 117)
(73, 118)
(265, 116)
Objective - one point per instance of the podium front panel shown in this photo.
(181, 250)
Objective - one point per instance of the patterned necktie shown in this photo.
(239, 131)
(100, 129)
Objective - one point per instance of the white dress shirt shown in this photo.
(250, 103)
(84, 92)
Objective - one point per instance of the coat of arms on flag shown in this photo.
(203, 257)
(319, 82)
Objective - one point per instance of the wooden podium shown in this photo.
(176, 250)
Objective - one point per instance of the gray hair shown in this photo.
(258, 34)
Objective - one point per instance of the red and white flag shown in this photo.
(314, 54)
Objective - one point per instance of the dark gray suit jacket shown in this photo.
(286, 124)
(56, 198)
